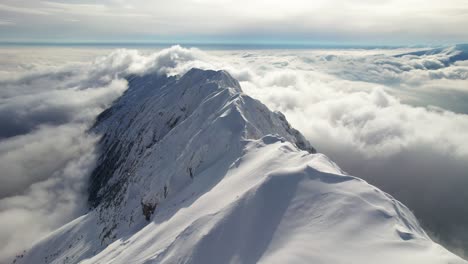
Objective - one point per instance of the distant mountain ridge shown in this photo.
(455, 53)
(194, 171)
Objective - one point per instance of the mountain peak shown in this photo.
(200, 102)
(222, 78)
(194, 171)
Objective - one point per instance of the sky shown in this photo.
(376, 22)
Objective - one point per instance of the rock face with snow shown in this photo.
(194, 171)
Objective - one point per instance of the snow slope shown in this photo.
(194, 171)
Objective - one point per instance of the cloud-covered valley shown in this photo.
(399, 122)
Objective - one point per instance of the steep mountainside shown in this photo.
(194, 171)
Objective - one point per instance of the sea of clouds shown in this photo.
(381, 117)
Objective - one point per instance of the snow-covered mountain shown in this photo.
(194, 171)
(451, 54)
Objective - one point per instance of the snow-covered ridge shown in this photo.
(452, 54)
(194, 171)
(155, 106)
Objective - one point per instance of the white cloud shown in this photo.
(53, 164)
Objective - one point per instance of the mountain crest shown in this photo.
(164, 131)
(194, 171)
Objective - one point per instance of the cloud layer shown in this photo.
(45, 154)
(351, 104)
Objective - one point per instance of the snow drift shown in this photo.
(194, 171)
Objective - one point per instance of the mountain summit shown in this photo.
(194, 171)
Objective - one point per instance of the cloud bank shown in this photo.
(360, 107)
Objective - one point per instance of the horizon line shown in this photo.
(225, 44)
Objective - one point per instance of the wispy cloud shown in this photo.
(23, 10)
(99, 10)
(296, 20)
(6, 23)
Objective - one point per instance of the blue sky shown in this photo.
(385, 22)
